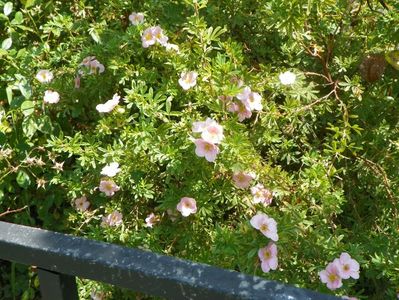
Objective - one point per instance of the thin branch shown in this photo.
(13, 211)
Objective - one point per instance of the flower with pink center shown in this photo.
(266, 225)
(243, 112)
(206, 149)
(348, 267)
(331, 276)
(109, 105)
(187, 206)
(113, 219)
(242, 179)
(268, 257)
(51, 97)
(211, 131)
(136, 18)
(188, 80)
(82, 204)
(108, 187)
(151, 220)
(44, 76)
(261, 194)
(111, 170)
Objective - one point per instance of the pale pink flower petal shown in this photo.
(109, 105)
(44, 76)
(205, 149)
(151, 220)
(113, 219)
(261, 195)
(187, 206)
(82, 204)
(348, 267)
(266, 225)
(243, 180)
(268, 257)
(136, 18)
(188, 79)
(108, 187)
(331, 276)
(213, 132)
(51, 97)
(111, 170)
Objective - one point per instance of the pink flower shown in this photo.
(152, 35)
(268, 257)
(205, 149)
(266, 225)
(113, 219)
(348, 267)
(136, 18)
(261, 194)
(331, 276)
(211, 131)
(109, 105)
(151, 220)
(243, 180)
(187, 206)
(93, 65)
(111, 170)
(44, 76)
(251, 100)
(108, 187)
(82, 204)
(243, 112)
(51, 97)
(188, 80)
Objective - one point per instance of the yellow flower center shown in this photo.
(264, 227)
(267, 254)
(208, 147)
(332, 277)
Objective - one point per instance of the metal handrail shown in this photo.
(60, 257)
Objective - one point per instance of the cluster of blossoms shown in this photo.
(109, 105)
(260, 194)
(340, 268)
(154, 35)
(45, 76)
(268, 254)
(246, 102)
(211, 135)
(108, 186)
(89, 65)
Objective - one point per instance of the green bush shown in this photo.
(319, 150)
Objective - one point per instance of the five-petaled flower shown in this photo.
(136, 18)
(261, 194)
(268, 257)
(111, 170)
(187, 206)
(251, 100)
(108, 187)
(82, 204)
(287, 78)
(151, 220)
(211, 131)
(206, 149)
(242, 179)
(266, 225)
(44, 76)
(188, 79)
(51, 97)
(94, 66)
(113, 219)
(109, 105)
(331, 276)
(153, 35)
(348, 267)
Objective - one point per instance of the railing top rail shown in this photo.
(135, 269)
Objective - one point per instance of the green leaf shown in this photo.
(29, 127)
(25, 89)
(1, 196)
(23, 179)
(6, 44)
(94, 35)
(393, 58)
(28, 3)
(18, 19)
(27, 108)
(9, 94)
(7, 9)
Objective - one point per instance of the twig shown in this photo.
(13, 211)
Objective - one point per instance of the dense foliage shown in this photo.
(321, 149)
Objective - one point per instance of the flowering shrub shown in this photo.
(186, 127)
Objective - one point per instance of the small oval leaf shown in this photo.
(7, 9)
(6, 44)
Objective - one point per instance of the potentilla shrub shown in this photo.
(259, 136)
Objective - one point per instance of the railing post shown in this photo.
(57, 286)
